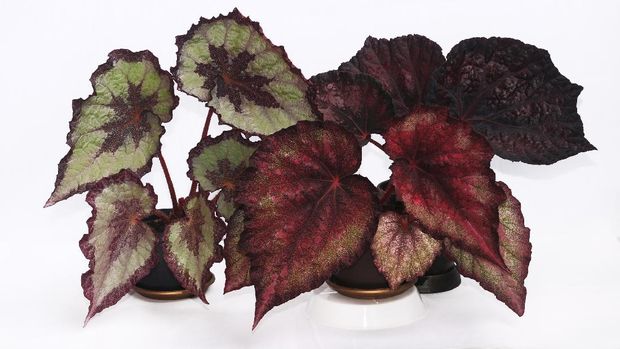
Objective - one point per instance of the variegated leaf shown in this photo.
(228, 62)
(237, 263)
(190, 245)
(401, 250)
(119, 244)
(217, 163)
(119, 126)
(515, 249)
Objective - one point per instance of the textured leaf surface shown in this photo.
(513, 95)
(217, 163)
(229, 63)
(119, 126)
(237, 263)
(357, 102)
(516, 251)
(441, 171)
(401, 250)
(403, 66)
(191, 247)
(307, 215)
(119, 245)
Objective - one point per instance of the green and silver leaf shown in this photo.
(228, 63)
(119, 244)
(217, 163)
(119, 126)
(190, 245)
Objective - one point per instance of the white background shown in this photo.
(49, 49)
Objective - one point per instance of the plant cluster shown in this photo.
(291, 206)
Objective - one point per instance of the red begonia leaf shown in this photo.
(515, 97)
(307, 214)
(402, 251)
(119, 244)
(403, 66)
(237, 263)
(191, 244)
(516, 251)
(441, 171)
(357, 102)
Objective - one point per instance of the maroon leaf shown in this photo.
(307, 214)
(515, 97)
(119, 244)
(403, 66)
(401, 250)
(357, 102)
(190, 244)
(237, 263)
(516, 251)
(441, 171)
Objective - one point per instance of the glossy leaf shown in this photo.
(515, 97)
(402, 65)
(441, 171)
(228, 62)
(217, 163)
(190, 245)
(515, 249)
(357, 102)
(237, 263)
(401, 250)
(307, 214)
(119, 244)
(119, 126)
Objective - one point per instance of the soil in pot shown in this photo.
(160, 283)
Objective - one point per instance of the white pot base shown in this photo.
(329, 308)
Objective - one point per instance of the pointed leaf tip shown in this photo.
(442, 173)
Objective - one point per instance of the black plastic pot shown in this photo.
(160, 283)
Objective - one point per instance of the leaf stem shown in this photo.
(205, 134)
(376, 144)
(388, 192)
(173, 195)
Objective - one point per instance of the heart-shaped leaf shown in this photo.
(516, 251)
(401, 250)
(190, 245)
(403, 66)
(307, 214)
(229, 63)
(119, 126)
(119, 244)
(357, 102)
(515, 97)
(442, 173)
(237, 263)
(216, 163)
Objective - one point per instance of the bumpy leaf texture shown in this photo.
(229, 63)
(401, 250)
(442, 173)
(119, 126)
(119, 244)
(190, 245)
(237, 263)
(217, 163)
(403, 66)
(514, 96)
(307, 214)
(356, 102)
(516, 251)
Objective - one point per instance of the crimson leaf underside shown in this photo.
(515, 97)
(307, 214)
(442, 173)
